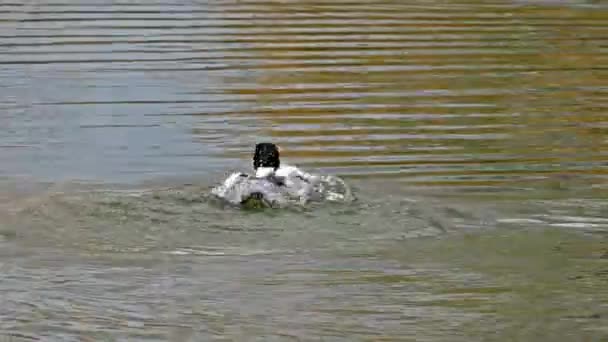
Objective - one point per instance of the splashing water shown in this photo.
(334, 189)
(251, 192)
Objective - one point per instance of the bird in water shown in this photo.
(272, 184)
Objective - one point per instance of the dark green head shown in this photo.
(266, 155)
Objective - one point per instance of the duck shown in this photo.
(271, 184)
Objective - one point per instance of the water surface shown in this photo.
(473, 134)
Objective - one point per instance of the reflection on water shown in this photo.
(474, 96)
(473, 132)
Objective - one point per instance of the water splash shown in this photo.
(250, 192)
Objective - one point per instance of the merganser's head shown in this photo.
(266, 159)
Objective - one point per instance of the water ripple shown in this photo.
(500, 100)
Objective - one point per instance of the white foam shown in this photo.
(298, 188)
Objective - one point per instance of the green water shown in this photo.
(472, 133)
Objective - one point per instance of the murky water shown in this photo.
(473, 133)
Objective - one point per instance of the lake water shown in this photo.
(474, 135)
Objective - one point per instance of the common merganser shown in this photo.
(271, 184)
